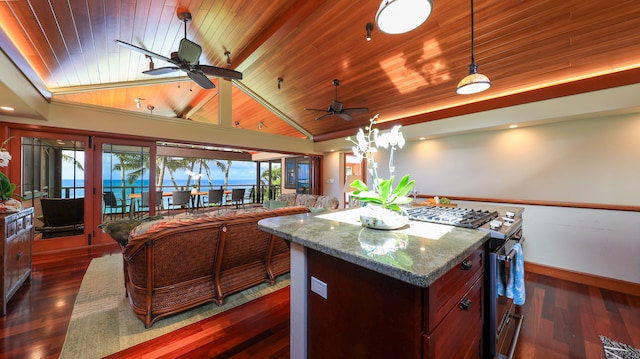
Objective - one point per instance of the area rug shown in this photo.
(102, 322)
(616, 350)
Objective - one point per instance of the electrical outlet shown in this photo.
(319, 287)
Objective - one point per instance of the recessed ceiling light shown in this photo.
(422, 138)
(7, 108)
(513, 126)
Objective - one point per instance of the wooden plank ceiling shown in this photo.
(523, 46)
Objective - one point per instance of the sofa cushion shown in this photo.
(327, 202)
(235, 211)
(307, 200)
(290, 198)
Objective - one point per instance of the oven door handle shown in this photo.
(509, 256)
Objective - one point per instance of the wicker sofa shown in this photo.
(172, 265)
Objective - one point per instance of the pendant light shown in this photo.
(400, 16)
(474, 82)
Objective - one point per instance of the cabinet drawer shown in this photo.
(28, 221)
(20, 224)
(459, 335)
(446, 292)
(11, 230)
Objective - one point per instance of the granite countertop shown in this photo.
(417, 254)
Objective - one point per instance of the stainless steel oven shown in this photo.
(503, 318)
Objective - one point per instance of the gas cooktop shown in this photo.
(453, 216)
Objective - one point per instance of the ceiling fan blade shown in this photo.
(324, 116)
(161, 70)
(344, 116)
(201, 79)
(189, 51)
(315, 109)
(220, 72)
(356, 110)
(141, 50)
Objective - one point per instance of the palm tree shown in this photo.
(225, 168)
(173, 165)
(131, 167)
(270, 178)
(274, 175)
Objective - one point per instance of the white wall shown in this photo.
(333, 176)
(593, 160)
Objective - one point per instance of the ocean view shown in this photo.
(139, 186)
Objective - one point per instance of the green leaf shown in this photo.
(366, 194)
(393, 207)
(359, 185)
(404, 187)
(385, 189)
(403, 200)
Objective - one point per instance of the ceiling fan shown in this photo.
(185, 59)
(337, 108)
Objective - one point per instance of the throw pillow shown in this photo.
(119, 229)
(327, 202)
(273, 204)
(307, 200)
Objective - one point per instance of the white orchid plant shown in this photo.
(382, 192)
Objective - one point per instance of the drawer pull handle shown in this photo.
(19, 255)
(466, 264)
(465, 304)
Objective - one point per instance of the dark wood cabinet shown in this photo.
(17, 229)
(369, 315)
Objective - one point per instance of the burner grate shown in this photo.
(453, 216)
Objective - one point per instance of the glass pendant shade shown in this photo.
(400, 16)
(473, 83)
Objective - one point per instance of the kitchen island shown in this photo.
(357, 292)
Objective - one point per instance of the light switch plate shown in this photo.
(319, 287)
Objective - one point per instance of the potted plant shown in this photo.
(382, 209)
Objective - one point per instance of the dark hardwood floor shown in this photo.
(562, 319)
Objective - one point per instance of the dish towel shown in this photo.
(515, 283)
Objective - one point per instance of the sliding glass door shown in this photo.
(269, 180)
(53, 182)
(126, 173)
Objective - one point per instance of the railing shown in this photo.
(254, 193)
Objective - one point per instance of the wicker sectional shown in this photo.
(176, 264)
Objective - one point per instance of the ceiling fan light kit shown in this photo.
(400, 16)
(474, 82)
